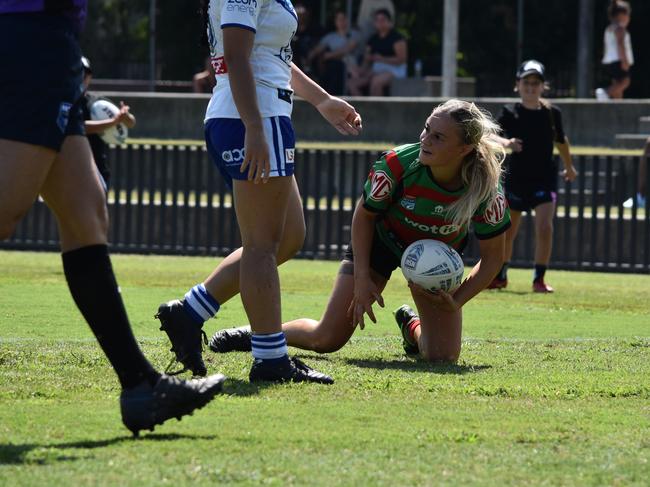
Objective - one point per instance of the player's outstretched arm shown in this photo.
(339, 113)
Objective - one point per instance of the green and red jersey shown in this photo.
(412, 206)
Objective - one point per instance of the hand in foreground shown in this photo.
(341, 115)
(365, 293)
(440, 299)
(256, 155)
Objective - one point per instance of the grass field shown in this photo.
(550, 390)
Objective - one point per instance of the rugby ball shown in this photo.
(104, 110)
(433, 265)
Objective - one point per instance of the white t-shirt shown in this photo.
(610, 54)
(274, 23)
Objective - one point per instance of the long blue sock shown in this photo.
(199, 304)
(271, 347)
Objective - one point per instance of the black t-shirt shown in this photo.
(385, 46)
(538, 130)
(98, 147)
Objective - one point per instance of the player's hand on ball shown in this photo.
(341, 115)
(441, 299)
(365, 293)
(256, 155)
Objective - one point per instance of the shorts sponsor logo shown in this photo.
(64, 116)
(496, 211)
(408, 202)
(382, 186)
(233, 156)
(433, 229)
(289, 155)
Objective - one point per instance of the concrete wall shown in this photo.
(394, 119)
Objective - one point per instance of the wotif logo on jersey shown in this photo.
(381, 187)
(433, 229)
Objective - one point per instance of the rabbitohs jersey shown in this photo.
(411, 206)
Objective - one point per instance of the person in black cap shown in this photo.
(531, 128)
(95, 128)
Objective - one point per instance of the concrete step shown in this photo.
(644, 124)
(631, 141)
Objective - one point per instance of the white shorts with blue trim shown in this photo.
(225, 143)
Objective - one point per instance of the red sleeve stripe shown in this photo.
(394, 165)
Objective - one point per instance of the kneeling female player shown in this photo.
(432, 189)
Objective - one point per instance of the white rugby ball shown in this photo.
(433, 265)
(103, 110)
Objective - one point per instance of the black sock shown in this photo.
(540, 270)
(93, 287)
(503, 273)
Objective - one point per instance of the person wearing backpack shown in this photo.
(532, 127)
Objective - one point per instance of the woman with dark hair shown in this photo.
(531, 128)
(618, 57)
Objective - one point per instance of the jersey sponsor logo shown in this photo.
(434, 229)
(233, 156)
(382, 186)
(219, 65)
(408, 202)
(289, 155)
(438, 209)
(286, 54)
(242, 6)
(495, 213)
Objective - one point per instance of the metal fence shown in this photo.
(170, 200)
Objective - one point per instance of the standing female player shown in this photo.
(250, 138)
(532, 126)
(43, 151)
(429, 190)
(618, 57)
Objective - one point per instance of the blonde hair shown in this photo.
(482, 167)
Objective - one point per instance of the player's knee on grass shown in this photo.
(328, 344)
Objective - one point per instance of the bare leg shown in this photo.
(223, 283)
(74, 193)
(439, 334)
(23, 170)
(511, 233)
(335, 327)
(544, 232)
(261, 213)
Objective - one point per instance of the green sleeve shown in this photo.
(382, 182)
(492, 217)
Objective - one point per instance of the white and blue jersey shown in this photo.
(274, 22)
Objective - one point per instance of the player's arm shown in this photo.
(99, 126)
(564, 149)
(620, 45)
(237, 46)
(339, 113)
(365, 290)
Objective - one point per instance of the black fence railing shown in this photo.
(170, 200)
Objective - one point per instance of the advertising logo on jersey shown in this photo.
(219, 65)
(408, 202)
(433, 229)
(242, 6)
(381, 187)
(438, 209)
(289, 155)
(495, 213)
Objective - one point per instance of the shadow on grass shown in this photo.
(243, 388)
(12, 454)
(417, 366)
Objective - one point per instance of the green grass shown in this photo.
(549, 390)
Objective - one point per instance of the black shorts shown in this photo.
(615, 71)
(382, 260)
(526, 200)
(40, 90)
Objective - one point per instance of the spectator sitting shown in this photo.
(305, 39)
(335, 53)
(366, 16)
(385, 58)
(204, 81)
